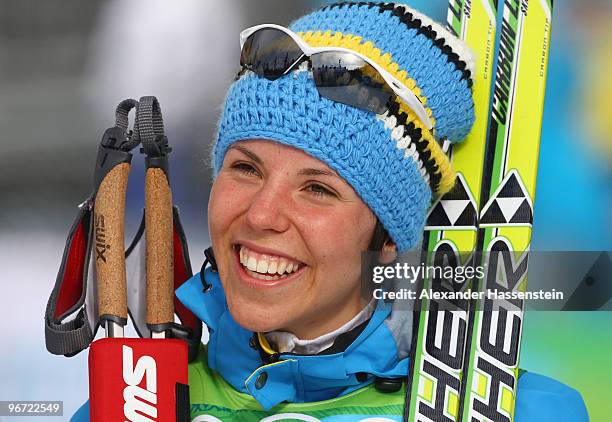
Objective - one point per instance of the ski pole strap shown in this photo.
(68, 295)
(67, 338)
(119, 138)
(122, 111)
(149, 127)
(116, 144)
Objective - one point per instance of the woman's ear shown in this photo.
(388, 253)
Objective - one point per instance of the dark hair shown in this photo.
(379, 237)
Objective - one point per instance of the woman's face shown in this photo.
(274, 209)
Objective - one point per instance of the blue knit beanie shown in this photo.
(392, 160)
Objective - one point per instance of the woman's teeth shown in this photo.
(266, 267)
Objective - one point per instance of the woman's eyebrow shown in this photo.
(302, 172)
(247, 152)
(316, 172)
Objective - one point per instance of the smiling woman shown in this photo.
(331, 143)
(276, 210)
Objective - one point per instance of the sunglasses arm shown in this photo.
(410, 99)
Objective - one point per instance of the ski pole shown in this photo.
(140, 379)
(111, 177)
(158, 219)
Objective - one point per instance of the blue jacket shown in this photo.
(379, 350)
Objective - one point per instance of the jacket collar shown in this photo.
(235, 353)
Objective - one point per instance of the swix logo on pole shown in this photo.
(136, 398)
(101, 246)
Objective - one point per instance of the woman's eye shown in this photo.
(245, 168)
(320, 190)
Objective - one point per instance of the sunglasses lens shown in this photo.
(347, 79)
(269, 53)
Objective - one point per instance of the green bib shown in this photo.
(213, 399)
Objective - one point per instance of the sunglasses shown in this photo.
(340, 74)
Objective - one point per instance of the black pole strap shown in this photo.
(122, 112)
(116, 143)
(149, 130)
(68, 338)
(149, 126)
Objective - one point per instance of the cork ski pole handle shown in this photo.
(160, 252)
(109, 248)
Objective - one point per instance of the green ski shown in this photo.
(451, 235)
(495, 325)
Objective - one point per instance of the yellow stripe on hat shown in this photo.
(447, 174)
(368, 49)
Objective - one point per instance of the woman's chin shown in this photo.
(258, 319)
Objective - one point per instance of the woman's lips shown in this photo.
(269, 276)
(261, 250)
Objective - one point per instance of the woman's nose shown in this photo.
(267, 210)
